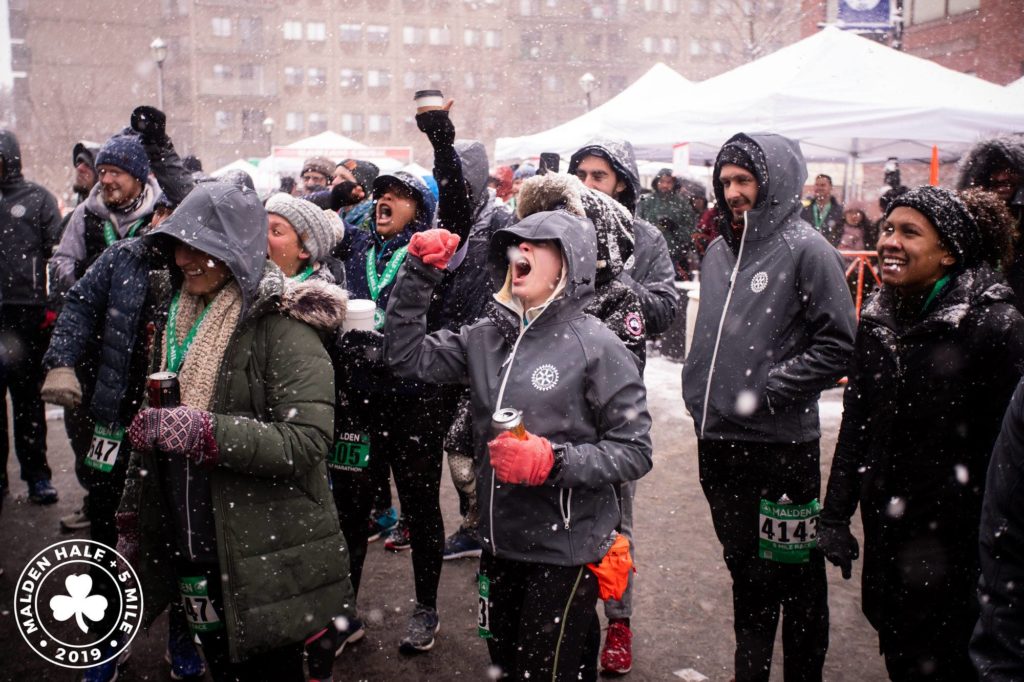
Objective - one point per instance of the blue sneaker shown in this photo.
(182, 654)
(106, 672)
(381, 521)
(42, 492)
(462, 544)
(419, 635)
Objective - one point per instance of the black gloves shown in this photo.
(150, 124)
(344, 194)
(838, 545)
(362, 347)
(438, 126)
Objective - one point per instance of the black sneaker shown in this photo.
(462, 544)
(419, 634)
(42, 492)
(398, 539)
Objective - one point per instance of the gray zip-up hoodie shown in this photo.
(576, 383)
(776, 321)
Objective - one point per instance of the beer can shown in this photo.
(162, 390)
(508, 419)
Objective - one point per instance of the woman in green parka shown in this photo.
(227, 503)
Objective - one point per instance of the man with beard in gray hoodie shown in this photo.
(775, 327)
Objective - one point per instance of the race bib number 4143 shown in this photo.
(788, 532)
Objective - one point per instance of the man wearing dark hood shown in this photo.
(775, 327)
(83, 161)
(997, 165)
(609, 166)
(670, 211)
(29, 228)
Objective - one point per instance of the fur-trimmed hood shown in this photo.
(316, 302)
(989, 155)
(613, 222)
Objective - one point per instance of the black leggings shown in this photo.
(735, 476)
(542, 619)
(22, 345)
(405, 435)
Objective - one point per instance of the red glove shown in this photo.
(183, 431)
(434, 247)
(49, 318)
(526, 462)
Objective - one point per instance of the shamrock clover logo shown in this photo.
(78, 602)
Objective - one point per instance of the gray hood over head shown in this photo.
(227, 222)
(473, 156)
(575, 236)
(10, 152)
(619, 153)
(778, 199)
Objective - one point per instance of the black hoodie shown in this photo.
(29, 229)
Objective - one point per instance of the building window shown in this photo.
(720, 47)
(316, 31)
(414, 80)
(412, 35)
(698, 6)
(292, 30)
(529, 8)
(471, 37)
(221, 27)
(249, 72)
(670, 6)
(378, 123)
(696, 48)
(552, 83)
(377, 35)
(669, 46)
(649, 45)
(252, 124)
(492, 39)
(294, 121)
(351, 79)
(378, 78)
(221, 71)
(293, 75)
(317, 77)
(250, 30)
(351, 123)
(222, 119)
(529, 44)
(350, 33)
(439, 36)
(317, 122)
(651, 5)
(469, 80)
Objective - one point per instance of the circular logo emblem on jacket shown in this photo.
(634, 324)
(70, 589)
(545, 377)
(759, 282)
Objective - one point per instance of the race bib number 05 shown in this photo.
(106, 444)
(788, 532)
(351, 452)
(195, 595)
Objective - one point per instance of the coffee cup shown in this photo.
(359, 315)
(428, 100)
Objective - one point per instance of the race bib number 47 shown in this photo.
(106, 444)
(788, 532)
(195, 596)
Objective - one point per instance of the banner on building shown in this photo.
(864, 15)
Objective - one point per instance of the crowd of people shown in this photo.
(353, 327)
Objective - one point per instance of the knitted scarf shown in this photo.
(197, 376)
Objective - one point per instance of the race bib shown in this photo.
(195, 595)
(483, 616)
(351, 452)
(106, 444)
(788, 532)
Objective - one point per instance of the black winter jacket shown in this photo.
(30, 226)
(920, 414)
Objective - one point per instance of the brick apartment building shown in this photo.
(351, 66)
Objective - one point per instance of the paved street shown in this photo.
(682, 618)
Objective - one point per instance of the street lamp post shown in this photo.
(159, 50)
(268, 128)
(587, 83)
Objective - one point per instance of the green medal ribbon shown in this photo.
(936, 290)
(175, 351)
(819, 215)
(377, 283)
(110, 236)
(304, 275)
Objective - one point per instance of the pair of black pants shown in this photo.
(735, 476)
(405, 434)
(283, 663)
(23, 345)
(543, 620)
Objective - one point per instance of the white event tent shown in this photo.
(842, 96)
(660, 89)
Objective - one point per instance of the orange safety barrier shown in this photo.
(861, 261)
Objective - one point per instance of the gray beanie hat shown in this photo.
(309, 221)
